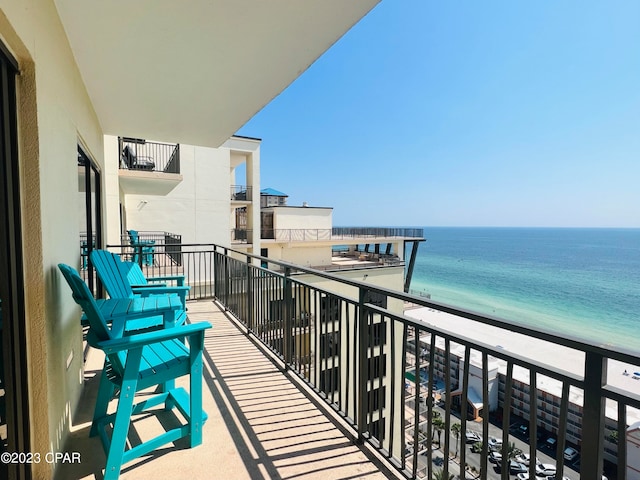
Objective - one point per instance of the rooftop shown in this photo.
(272, 191)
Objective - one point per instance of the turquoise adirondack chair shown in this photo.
(137, 279)
(137, 362)
(113, 274)
(146, 248)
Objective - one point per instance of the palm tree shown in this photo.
(439, 475)
(438, 426)
(513, 451)
(456, 429)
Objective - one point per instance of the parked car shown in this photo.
(522, 476)
(525, 458)
(495, 457)
(545, 470)
(570, 453)
(495, 443)
(553, 477)
(517, 467)
(472, 437)
(523, 429)
(550, 443)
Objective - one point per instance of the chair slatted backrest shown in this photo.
(98, 327)
(133, 236)
(108, 268)
(132, 272)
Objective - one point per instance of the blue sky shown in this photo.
(467, 113)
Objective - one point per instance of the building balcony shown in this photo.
(241, 235)
(148, 168)
(260, 421)
(351, 361)
(241, 194)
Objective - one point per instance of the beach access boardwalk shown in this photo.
(261, 424)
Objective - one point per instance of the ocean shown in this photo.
(576, 281)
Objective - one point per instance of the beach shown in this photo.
(555, 356)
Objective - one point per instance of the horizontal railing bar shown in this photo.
(618, 394)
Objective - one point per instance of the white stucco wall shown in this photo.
(385, 277)
(54, 115)
(308, 256)
(302, 217)
(198, 208)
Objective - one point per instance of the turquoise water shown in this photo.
(582, 282)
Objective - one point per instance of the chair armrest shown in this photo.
(147, 285)
(164, 278)
(155, 290)
(146, 291)
(148, 338)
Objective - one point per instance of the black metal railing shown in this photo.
(296, 234)
(241, 192)
(401, 384)
(139, 154)
(358, 352)
(364, 232)
(309, 234)
(152, 248)
(241, 235)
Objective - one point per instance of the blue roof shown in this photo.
(271, 191)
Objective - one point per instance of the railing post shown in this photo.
(288, 313)
(595, 377)
(250, 311)
(362, 367)
(227, 280)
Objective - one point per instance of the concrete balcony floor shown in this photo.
(261, 424)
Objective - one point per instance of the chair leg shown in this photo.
(195, 391)
(123, 415)
(105, 394)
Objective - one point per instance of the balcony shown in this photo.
(260, 422)
(150, 168)
(356, 361)
(241, 194)
(241, 236)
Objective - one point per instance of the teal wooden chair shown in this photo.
(146, 249)
(114, 275)
(137, 362)
(137, 279)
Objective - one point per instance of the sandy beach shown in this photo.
(553, 355)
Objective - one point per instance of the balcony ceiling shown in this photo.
(194, 72)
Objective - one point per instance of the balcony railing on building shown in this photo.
(153, 249)
(366, 232)
(241, 235)
(337, 233)
(142, 155)
(399, 383)
(241, 193)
